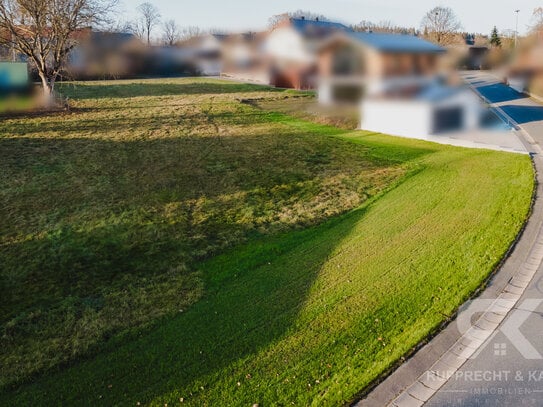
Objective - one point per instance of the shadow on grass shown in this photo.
(68, 124)
(131, 89)
(252, 294)
(74, 173)
(110, 121)
(389, 149)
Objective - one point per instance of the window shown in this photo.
(347, 61)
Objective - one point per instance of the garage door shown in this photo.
(447, 119)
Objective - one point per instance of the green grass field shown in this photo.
(166, 243)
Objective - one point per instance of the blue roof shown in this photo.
(436, 92)
(112, 36)
(389, 42)
(304, 25)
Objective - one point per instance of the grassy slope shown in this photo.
(313, 316)
(110, 209)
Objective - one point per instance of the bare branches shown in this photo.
(45, 31)
(150, 18)
(190, 32)
(384, 26)
(537, 19)
(441, 25)
(172, 33)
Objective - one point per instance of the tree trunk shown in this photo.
(47, 86)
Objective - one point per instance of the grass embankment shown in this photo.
(117, 213)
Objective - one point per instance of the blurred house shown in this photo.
(118, 55)
(244, 59)
(469, 39)
(292, 51)
(477, 57)
(96, 54)
(205, 53)
(285, 56)
(435, 109)
(13, 77)
(355, 65)
(525, 74)
(395, 80)
(99, 55)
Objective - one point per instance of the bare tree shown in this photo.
(383, 26)
(537, 19)
(137, 28)
(150, 18)
(172, 33)
(45, 31)
(120, 26)
(440, 24)
(190, 32)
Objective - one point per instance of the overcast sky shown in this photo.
(475, 15)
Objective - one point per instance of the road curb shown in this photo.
(406, 385)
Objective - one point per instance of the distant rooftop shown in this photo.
(304, 25)
(396, 42)
(220, 36)
(114, 36)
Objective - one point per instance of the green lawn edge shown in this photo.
(85, 383)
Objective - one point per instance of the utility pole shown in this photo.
(516, 29)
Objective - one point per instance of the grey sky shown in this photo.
(475, 15)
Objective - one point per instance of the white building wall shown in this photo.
(287, 45)
(397, 117)
(517, 84)
(415, 118)
(325, 93)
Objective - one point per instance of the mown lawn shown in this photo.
(166, 243)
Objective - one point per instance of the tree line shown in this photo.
(150, 27)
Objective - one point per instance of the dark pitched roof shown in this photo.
(309, 26)
(396, 42)
(220, 36)
(112, 37)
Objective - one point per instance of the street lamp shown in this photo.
(516, 29)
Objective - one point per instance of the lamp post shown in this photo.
(516, 29)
